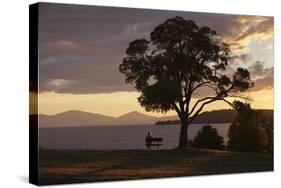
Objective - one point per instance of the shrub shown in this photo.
(249, 131)
(208, 138)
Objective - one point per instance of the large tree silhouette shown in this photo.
(178, 63)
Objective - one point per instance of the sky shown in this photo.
(81, 48)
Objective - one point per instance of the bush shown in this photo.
(249, 131)
(270, 138)
(208, 138)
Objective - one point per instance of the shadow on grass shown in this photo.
(71, 166)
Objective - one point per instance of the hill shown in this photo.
(76, 118)
(216, 116)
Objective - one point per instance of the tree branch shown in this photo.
(177, 109)
(205, 103)
(230, 104)
(200, 109)
(197, 102)
(200, 85)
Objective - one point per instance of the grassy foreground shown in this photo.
(73, 166)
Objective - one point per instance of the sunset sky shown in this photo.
(81, 48)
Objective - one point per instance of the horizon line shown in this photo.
(137, 112)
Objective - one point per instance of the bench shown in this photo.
(156, 141)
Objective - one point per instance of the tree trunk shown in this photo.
(183, 135)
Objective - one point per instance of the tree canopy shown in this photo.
(250, 132)
(179, 60)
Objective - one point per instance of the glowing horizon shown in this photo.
(119, 103)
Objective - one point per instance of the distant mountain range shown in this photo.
(75, 118)
(79, 118)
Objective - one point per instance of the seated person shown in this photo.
(148, 140)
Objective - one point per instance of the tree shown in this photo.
(270, 136)
(208, 138)
(249, 130)
(177, 62)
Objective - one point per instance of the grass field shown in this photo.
(73, 166)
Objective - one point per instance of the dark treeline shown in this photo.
(218, 116)
(250, 131)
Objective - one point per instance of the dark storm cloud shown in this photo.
(258, 69)
(263, 77)
(81, 47)
(236, 60)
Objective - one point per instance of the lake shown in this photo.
(117, 137)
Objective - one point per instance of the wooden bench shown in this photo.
(156, 141)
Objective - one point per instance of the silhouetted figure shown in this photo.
(148, 139)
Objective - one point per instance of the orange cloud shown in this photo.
(245, 28)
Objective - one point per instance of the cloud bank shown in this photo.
(81, 47)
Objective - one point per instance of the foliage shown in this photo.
(208, 138)
(179, 60)
(270, 137)
(249, 132)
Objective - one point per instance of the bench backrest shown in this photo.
(155, 139)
